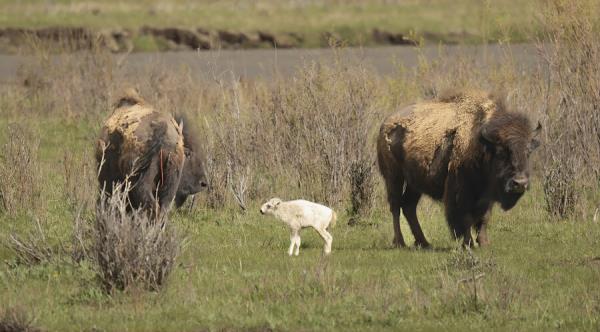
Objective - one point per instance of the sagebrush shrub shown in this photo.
(130, 248)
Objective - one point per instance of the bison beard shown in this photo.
(466, 150)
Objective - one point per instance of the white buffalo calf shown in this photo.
(300, 214)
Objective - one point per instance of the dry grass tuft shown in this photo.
(130, 249)
(362, 193)
(33, 247)
(16, 319)
(79, 180)
(572, 149)
(20, 179)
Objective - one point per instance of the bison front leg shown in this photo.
(455, 203)
(481, 226)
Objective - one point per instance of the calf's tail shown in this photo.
(333, 219)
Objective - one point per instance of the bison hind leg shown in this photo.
(395, 189)
(410, 199)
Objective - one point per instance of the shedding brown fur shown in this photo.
(145, 145)
(464, 148)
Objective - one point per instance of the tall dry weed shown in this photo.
(72, 84)
(572, 149)
(17, 319)
(20, 177)
(325, 118)
(79, 180)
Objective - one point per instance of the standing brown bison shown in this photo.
(465, 149)
(161, 159)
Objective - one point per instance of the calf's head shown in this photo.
(508, 140)
(270, 206)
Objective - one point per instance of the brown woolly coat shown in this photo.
(147, 145)
(464, 148)
(435, 136)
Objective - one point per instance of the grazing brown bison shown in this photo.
(465, 149)
(150, 148)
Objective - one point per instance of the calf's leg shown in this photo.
(328, 239)
(298, 241)
(292, 243)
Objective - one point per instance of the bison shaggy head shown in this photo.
(193, 177)
(508, 139)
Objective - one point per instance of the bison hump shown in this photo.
(129, 98)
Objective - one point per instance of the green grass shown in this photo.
(469, 21)
(538, 274)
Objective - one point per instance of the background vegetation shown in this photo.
(309, 135)
(353, 22)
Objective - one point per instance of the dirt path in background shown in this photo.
(250, 64)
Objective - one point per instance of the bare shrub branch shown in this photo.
(129, 248)
(17, 319)
(32, 248)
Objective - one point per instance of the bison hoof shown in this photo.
(398, 244)
(483, 242)
(422, 245)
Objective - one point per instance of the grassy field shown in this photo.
(539, 273)
(471, 21)
(235, 275)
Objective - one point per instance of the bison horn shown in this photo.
(181, 127)
(538, 129)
